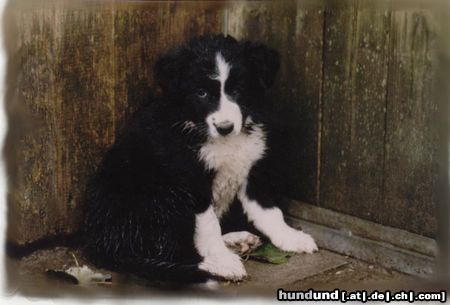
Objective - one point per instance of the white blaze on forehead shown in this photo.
(228, 109)
(223, 71)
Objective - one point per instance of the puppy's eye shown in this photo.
(201, 93)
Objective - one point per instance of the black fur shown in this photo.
(140, 206)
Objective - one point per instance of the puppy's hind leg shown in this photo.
(217, 258)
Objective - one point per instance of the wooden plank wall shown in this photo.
(378, 136)
(80, 69)
(353, 96)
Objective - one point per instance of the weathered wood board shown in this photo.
(336, 111)
(354, 106)
(411, 130)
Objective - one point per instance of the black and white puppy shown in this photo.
(155, 203)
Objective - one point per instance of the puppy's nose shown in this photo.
(224, 128)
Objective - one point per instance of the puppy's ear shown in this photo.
(169, 70)
(263, 62)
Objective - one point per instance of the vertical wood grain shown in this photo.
(411, 130)
(356, 44)
(378, 136)
(337, 102)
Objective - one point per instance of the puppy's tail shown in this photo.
(155, 269)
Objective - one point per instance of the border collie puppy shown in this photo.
(154, 206)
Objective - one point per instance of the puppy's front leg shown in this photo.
(270, 222)
(218, 259)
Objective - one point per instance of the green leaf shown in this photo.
(271, 254)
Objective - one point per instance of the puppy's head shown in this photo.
(217, 81)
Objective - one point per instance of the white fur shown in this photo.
(218, 259)
(210, 285)
(242, 242)
(228, 110)
(271, 223)
(188, 125)
(238, 237)
(241, 238)
(231, 158)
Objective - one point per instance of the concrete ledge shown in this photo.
(389, 247)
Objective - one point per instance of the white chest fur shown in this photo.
(231, 158)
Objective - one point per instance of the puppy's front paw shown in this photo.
(241, 242)
(295, 241)
(226, 265)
